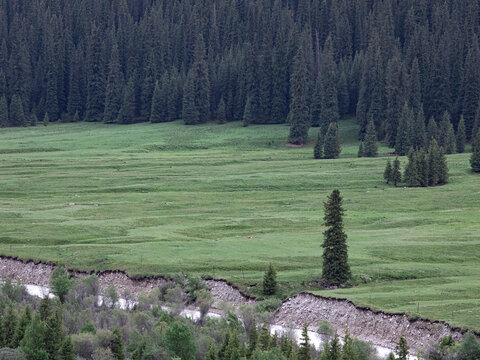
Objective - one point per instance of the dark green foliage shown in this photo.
(402, 350)
(54, 335)
(66, 351)
(190, 113)
(22, 325)
(361, 150)
(116, 345)
(157, 111)
(396, 93)
(329, 95)
(247, 112)
(332, 147)
(336, 270)
(419, 131)
(388, 173)
(212, 352)
(469, 348)
(264, 338)
(461, 136)
(9, 326)
(471, 90)
(252, 339)
(405, 131)
(410, 176)
(127, 112)
(437, 165)
(304, 348)
(3, 111)
(33, 119)
(270, 281)
(299, 116)
(370, 140)
(95, 77)
(33, 343)
(333, 350)
(114, 89)
(447, 135)
(221, 112)
(46, 119)
(179, 340)
(475, 158)
(45, 309)
(318, 149)
(17, 116)
(396, 172)
(60, 283)
(432, 130)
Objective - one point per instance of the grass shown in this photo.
(224, 201)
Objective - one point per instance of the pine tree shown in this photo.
(114, 89)
(332, 147)
(22, 325)
(76, 117)
(221, 112)
(148, 86)
(447, 134)
(299, 115)
(33, 119)
(190, 113)
(17, 116)
(371, 148)
(247, 112)
(201, 82)
(66, 351)
(437, 165)
(46, 119)
(334, 350)
(116, 345)
(316, 104)
(471, 90)
(432, 130)
(45, 309)
(126, 115)
(329, 94)
(410, 177)
(401, 350)
(348, 350)
(252, 339)
(212, 352)
(9, 327)
(396, 172)
(264, 338)
(3, 111)
(388, 173)
(304, 349)
(361, 150)
(475, 158)
(269, 281)
(405, 131)
(95, 82)
(336, 270)
(318, 149)
(156, 111)
(54, 335)
(33, 343)
(461, 136)
(419, 131)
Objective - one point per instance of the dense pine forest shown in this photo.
(262, 62)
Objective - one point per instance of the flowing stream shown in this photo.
(315, 338)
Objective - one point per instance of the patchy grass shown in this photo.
(224, 201)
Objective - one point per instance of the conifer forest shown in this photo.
(239, 179)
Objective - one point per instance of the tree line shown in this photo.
(303, 62)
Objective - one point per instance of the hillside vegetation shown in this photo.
(226, 201)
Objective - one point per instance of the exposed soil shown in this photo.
(383, 329)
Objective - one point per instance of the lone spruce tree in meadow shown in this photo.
(270, 281)
(318, 149)
(336, 270)
(332, 147)
(461, 136)
(475, 158)
(370, 140)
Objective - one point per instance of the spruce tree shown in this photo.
(33, 343)
(221, 112)
(17, 116)
(405, 131)
(475, 158)
(46, 119)
(33, 119)
(264, 338)
(76, 117)
(304, 348)
(396, 172)
(318, 149)
(126, 115)
(247, 112)
(212, 352)
(60, 283)
(9, 327)
(361, 150)
(388, 173)
(332, 147)
(22, 325)
(371, 148)
(95, 78)
(329, 94)
(471, 90)
(419, 131)
(54, 335)
(252, 339)
(336, 270)
(299, 115)
(447, 134)
(190, 113)
(67, 351)
(201, 82)
(269, 281)
(116, 345)
(156, 111)
(401, 349)
(461, 136)
(410, 177)
(348, 349)
(432, 130)
(114, 89)
(3, 111)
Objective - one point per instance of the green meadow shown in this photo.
(224, 201)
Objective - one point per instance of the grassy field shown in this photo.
(224, 201)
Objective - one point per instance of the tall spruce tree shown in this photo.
(388, 173)
(190, 113)
(95, 78)
(67, 352)
(270, 281)
(126, 115)
(329, 94)
(318, 149)
(396, 172)
(461, 136)
(201, 82)
(221, 112)
(114, 89)
(447, 134)
(361, 150)
(22, 325)
(475, 158)
(54, 335)
(332, 147)
(405, 131)
(33, 343)
(304, 348)
(432, 130)
(156, 114)
(371, 148)
(336, 270)
(299, 109)
(3, 111)
(402, 349)
(116, 345)
(419, 131)
(17, 116)
(471, 90)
